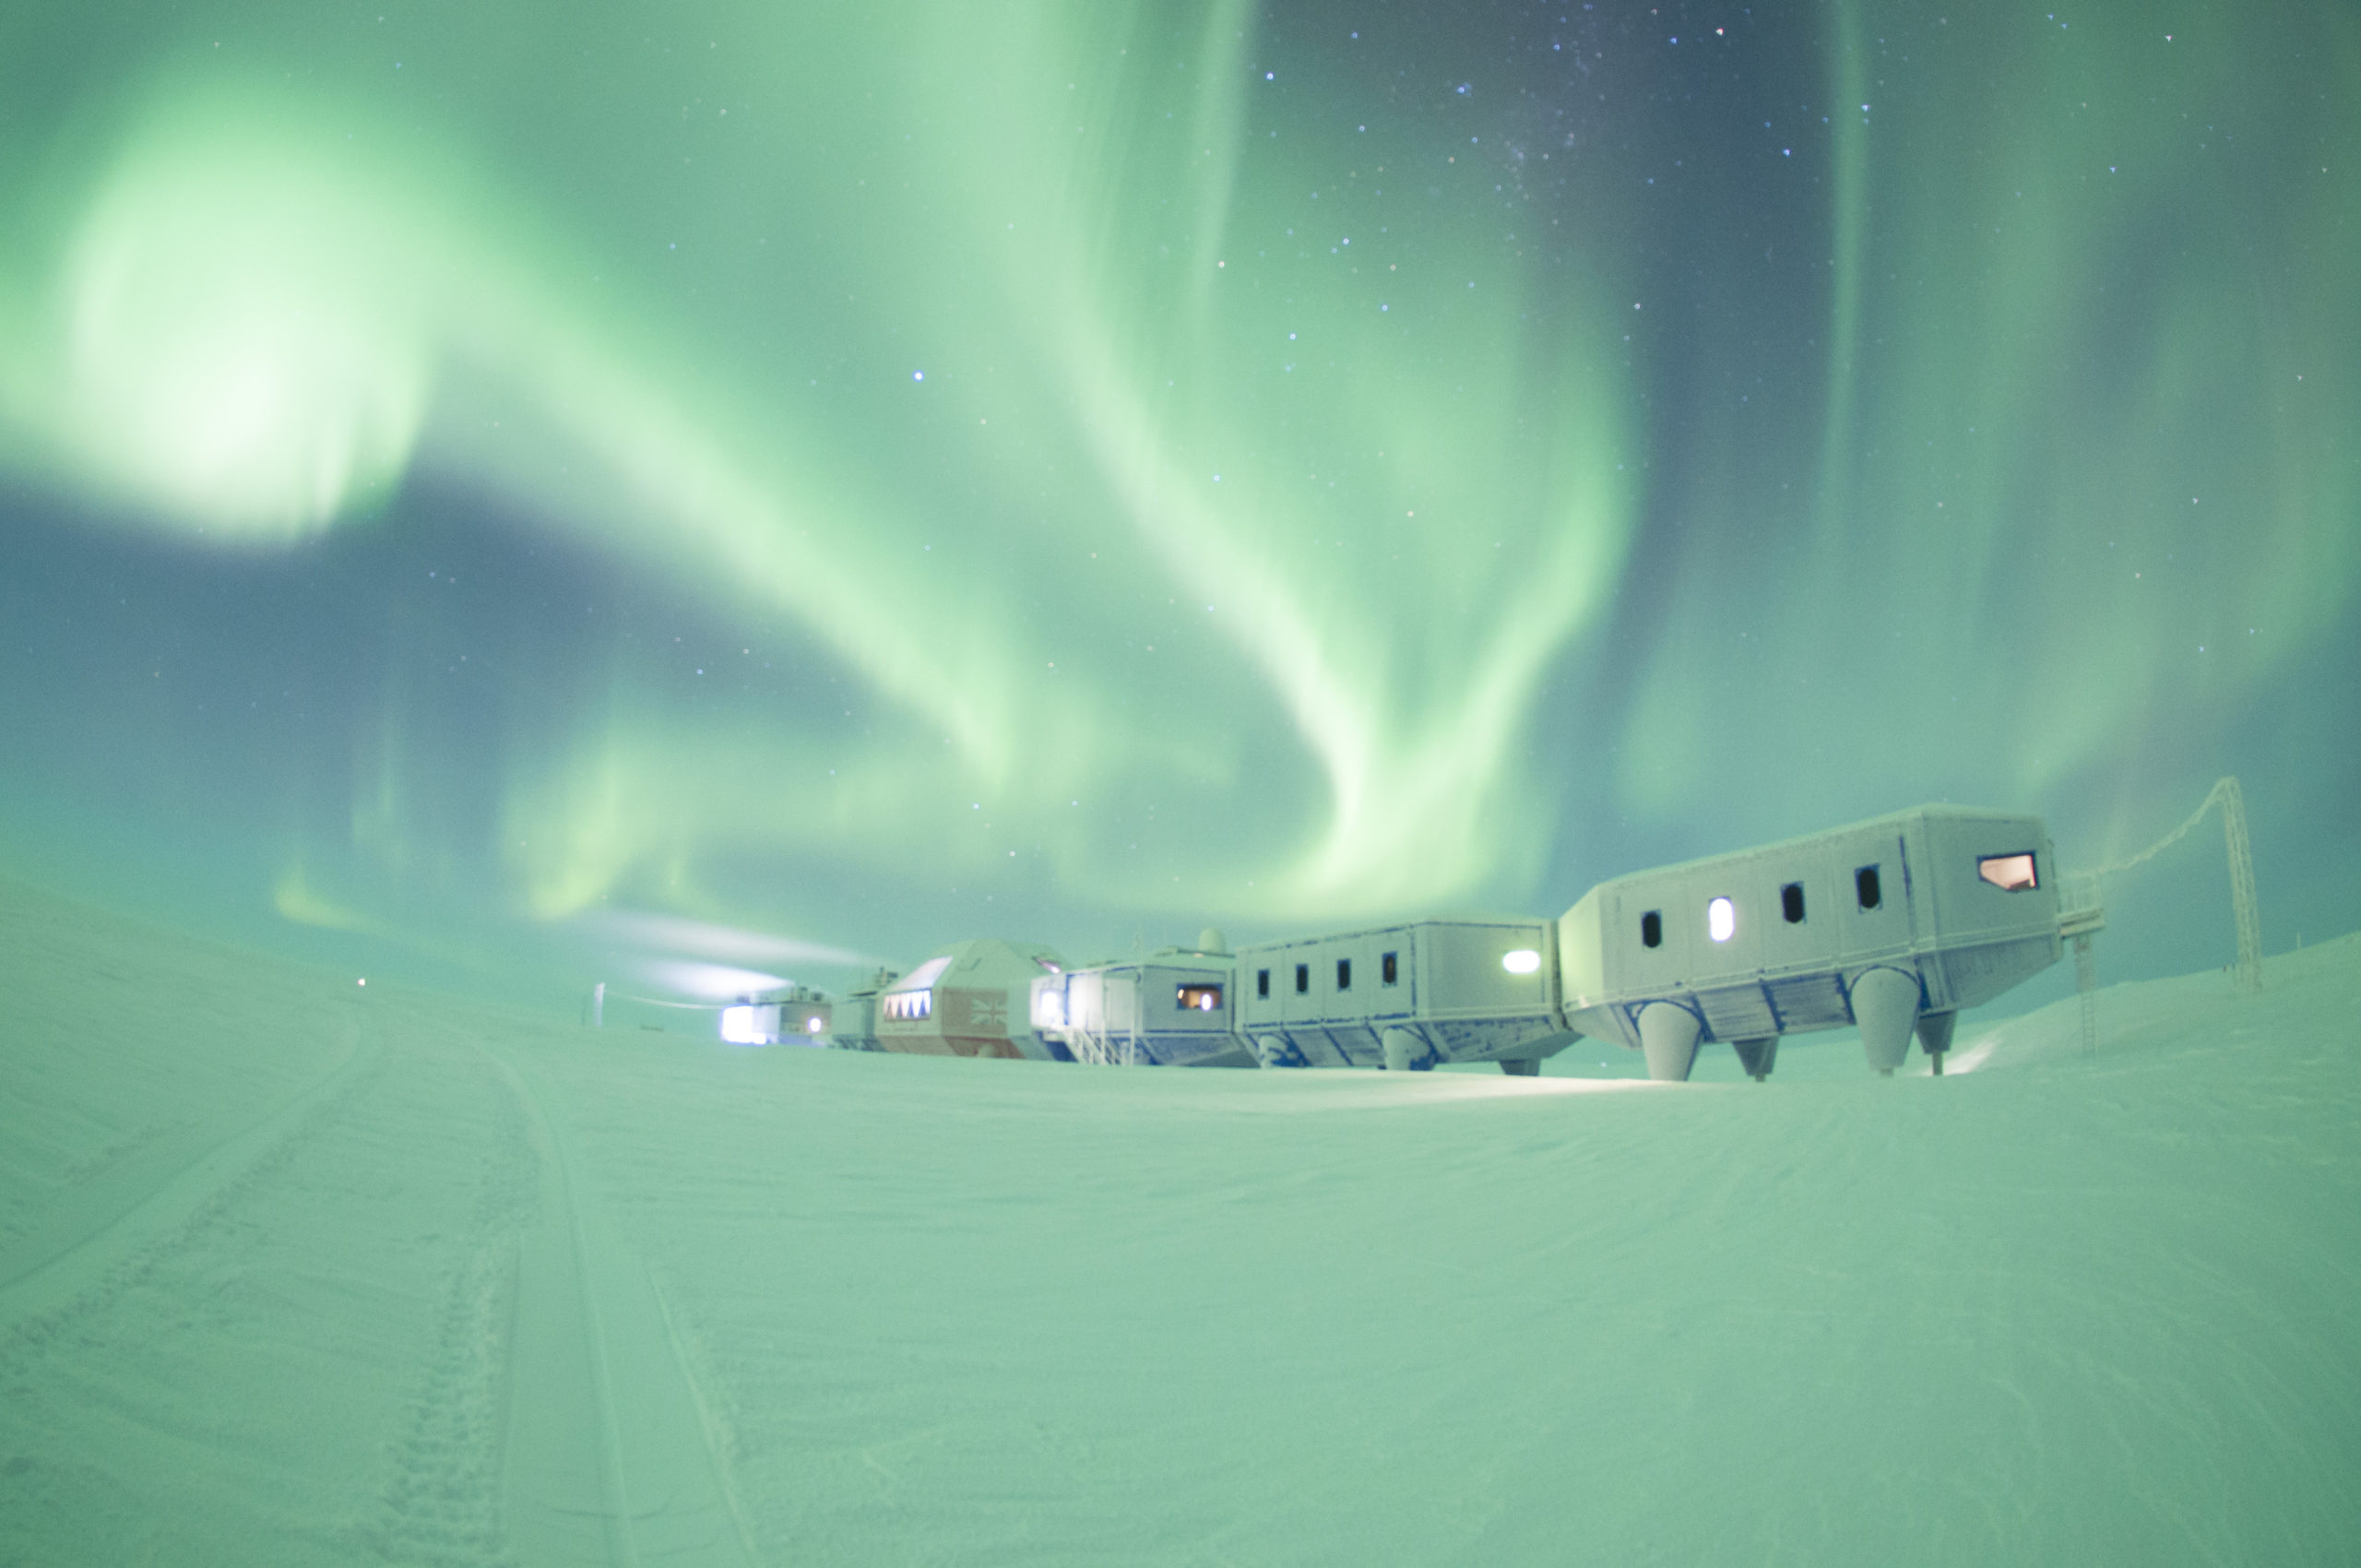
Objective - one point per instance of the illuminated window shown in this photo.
(1388, 970)
(1791, 902)
(1721, 919)
(1262, 982)
(1865, 887)
(1344, 974)
(1199, 998)
(2010, 874)
(910, 1006)
(1524, 961)
(1652, 929)
(1303, 978)
(740, 1026)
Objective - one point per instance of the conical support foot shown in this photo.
(1935, 1036)
(1669, 1038)
(1756, 1056)
(1885, 1004)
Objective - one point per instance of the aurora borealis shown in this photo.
(476, 480)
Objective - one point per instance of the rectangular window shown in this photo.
(910, 1006)
(1652, 929)
(1791, 902)
(1344, 974)
(1865, 886)
(1303, 978)
(2010, 874)
(1198, 998)
(1263, 983)
(1388, 970)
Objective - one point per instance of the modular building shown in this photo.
(852, 1022)
(1888, 925)
(799, 1015)
(972, 1000)
(1174, 1009)
(1406, 996)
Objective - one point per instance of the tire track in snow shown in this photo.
(443, 1500)
(612, 1453)
(101, 1240)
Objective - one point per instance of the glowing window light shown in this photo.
(1721, 919)
(1198, 998)
(739, 1026)
(1049, 1009)
(2010, 874)
(1524, 961)
(812, 1025)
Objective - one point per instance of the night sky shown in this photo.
(519, 494)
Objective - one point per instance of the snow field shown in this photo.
(294, 1272)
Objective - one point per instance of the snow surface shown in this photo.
(297, 1271)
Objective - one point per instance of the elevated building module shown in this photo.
(852, 1022)
(799, 1013)
(1173, 1009)
(972, 1000)
(1406, 996)
(1888, 925)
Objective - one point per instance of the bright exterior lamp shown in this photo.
(1524, 961)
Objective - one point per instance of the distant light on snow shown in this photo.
(1524, 961)
(812, 1025)
(1721, 919)
(362, 981)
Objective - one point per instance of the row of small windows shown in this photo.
(2010, 874)
(1389, 972)
(910, 1006)
(1721, 914)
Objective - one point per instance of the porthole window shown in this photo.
(1303, 978)
(1652, 929)
(1865, 886)
(1721, 919)
(1388, 970)
(1263, 983)
(1791, 902)
(1344, 974)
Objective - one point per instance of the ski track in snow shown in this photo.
(153, 1196)
(634, 1472)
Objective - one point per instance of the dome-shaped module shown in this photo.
(972, 1000)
